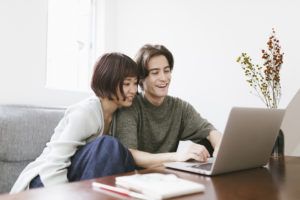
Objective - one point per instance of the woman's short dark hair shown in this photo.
(110, 71)
(147, 52)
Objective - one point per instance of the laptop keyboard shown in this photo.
(206, 166)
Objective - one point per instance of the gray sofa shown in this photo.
(24, 131)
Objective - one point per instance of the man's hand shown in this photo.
(193, 151)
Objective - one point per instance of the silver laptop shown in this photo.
(247, 142)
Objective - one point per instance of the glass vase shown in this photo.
(278, 149)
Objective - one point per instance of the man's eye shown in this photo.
(154, 73)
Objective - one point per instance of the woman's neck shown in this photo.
(109, 107)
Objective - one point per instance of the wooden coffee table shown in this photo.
(279, 180)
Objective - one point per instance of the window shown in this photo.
(70, 44)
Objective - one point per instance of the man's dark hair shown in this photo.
(147, 52)
(110, 71)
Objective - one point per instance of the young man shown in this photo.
(155, 123)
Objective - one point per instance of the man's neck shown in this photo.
(157, 101)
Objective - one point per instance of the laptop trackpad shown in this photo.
(204, 166)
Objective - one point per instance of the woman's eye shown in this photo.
(126, 84)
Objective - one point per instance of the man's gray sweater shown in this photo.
(158, 129)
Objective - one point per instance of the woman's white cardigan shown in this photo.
(81, 124)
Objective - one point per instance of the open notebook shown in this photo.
(159, 186)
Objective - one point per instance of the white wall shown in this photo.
(206, 37)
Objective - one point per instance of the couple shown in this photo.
(146, 128)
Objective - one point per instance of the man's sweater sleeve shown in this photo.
(194, 127)
(126, 127)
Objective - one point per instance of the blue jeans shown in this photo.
(104, 156)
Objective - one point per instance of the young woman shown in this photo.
(81, 147)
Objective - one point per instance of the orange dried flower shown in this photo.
(265, 82)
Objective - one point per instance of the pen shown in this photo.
(118, 190)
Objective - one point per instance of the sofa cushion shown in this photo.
(9, 174)
(24, 130)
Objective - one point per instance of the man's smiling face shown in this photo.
(156, 84)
